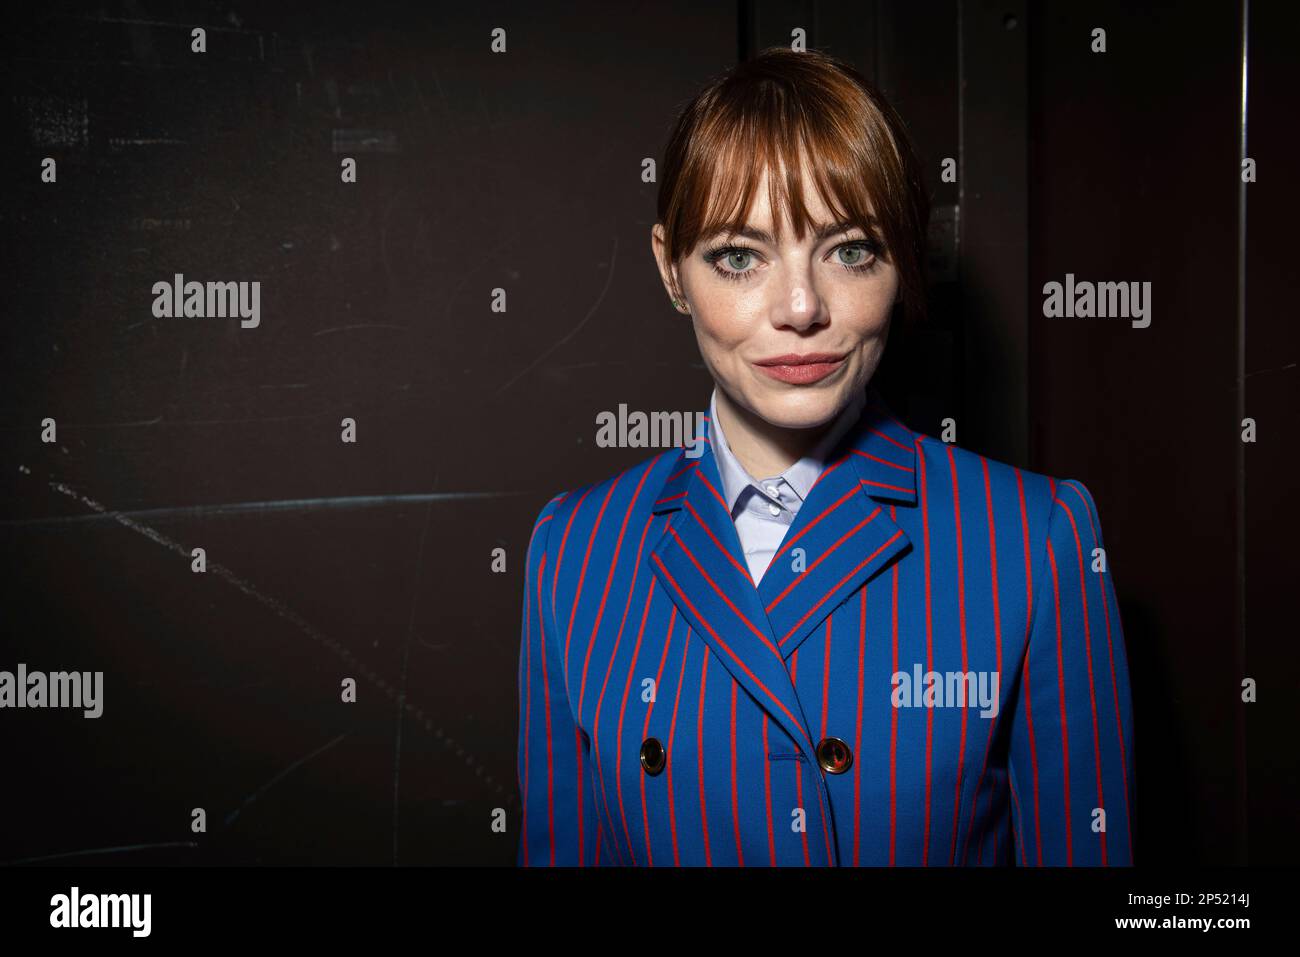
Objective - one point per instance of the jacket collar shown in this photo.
(841, 537)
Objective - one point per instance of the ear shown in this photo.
(667, 271)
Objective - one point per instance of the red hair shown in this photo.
(766, 112)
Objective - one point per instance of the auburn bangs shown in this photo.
(796, 113)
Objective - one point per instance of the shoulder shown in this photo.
(611, 504)
(950, 474)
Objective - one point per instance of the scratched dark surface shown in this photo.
(522, 171)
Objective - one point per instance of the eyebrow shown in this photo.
(820, 232)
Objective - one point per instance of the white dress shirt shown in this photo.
(764, 509)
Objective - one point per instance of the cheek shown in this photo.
(724, 317)
(868, 310)
(719, 342)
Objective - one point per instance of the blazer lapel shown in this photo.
(846, 537)
(700, 564)
(843, 534)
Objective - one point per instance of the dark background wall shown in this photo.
(521, 171)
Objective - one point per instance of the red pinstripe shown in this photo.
(1114, 683)
(767, 789)
(892, 488)
(609, 667)
(1029, 623)
(839, 584)
(645, 731)
(857, 740)
(546, 692)
(826, 683)
(582, 816)
(890, 438)
(577, 596)
(825, 811)
(726, 552)
(893, 730)
(802, 576)
(826, 676)
(997, 631)
(877, 458)
(709, 485)
(699, 750)
(999, 821)
(564, 541)
(961, 604)
(527, 685)
(622, 710)
(540, 522)
(739, 614)
(1060, 692)
(546, 704)
(758, 632)
(785, 546)
(1033, 755)
(798, 773)
(677, 587)
(672, 736)
(1092, 690)
(735, 797)
(739, 661)
(923, 493)
(828, 471)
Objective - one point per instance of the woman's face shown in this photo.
(762, 310)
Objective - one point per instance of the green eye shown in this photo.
(861, 256)
(737, 262)
(731, 262)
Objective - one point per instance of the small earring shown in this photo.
(678, 306)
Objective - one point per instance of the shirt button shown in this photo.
(774, 508)
(772, 491)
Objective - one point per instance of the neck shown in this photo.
(761, 448)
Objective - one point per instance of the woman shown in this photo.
(829, 639)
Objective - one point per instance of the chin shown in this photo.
(801, 408)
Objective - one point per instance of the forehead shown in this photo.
(761, 211)
(824, 219)
(752, 194)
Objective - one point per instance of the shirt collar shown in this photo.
(801, 475)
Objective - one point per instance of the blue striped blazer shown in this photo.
(931, 672)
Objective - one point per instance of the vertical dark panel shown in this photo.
(993, 228)
(917, 65)
(1131, 164)
(1270, 395)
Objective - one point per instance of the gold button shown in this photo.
(653, 756)
(834, 756)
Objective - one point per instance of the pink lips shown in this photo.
(801, 369)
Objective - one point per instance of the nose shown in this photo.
(797, 304)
